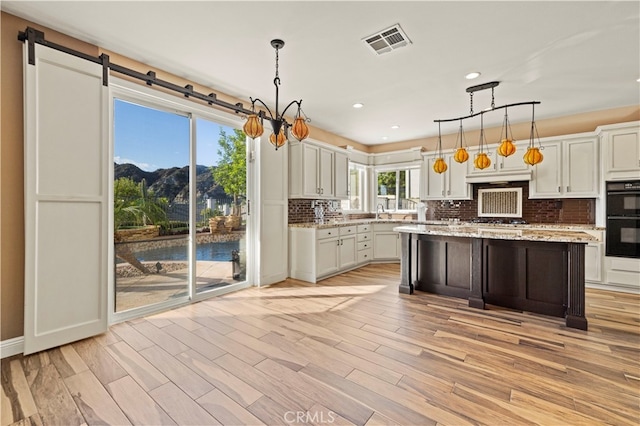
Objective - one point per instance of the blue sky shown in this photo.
(153, 139)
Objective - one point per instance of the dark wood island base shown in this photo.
(543, 277)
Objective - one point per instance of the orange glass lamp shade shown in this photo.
(299, 129)
(533, 156)
(506, 148)
(439, 166)
(281, 140)
(482, 161)
(461, 155)
(253, 127)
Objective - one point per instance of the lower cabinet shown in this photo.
(317, 253)
(386, 242)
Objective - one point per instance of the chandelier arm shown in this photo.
(482, 112)
(264, 105)
(299, 103)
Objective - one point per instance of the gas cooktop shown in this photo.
(498, 221)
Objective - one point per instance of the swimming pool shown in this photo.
(220, 251)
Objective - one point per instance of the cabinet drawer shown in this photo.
(365, 255)
(326, 233)
(363, 245)
(364, 237)
(348, 230)
(364, 228)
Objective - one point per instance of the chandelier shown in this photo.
(506, 148)
(281, 127)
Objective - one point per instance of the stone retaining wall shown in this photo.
(182, 241)
(137, 234)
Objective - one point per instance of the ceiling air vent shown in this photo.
(502, 202)
(387, 40)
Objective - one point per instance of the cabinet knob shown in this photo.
(558, 189)
(567, 188)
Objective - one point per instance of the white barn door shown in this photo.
(66, 199)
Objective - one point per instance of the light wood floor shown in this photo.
(349, 350)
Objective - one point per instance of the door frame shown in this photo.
(142, 95)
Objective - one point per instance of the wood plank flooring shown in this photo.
(348, 350)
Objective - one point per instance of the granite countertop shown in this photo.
(449, 225)
(501, 232)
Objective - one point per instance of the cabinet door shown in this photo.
(593, 262)
(547, 176)
(456, 180)
(341, 162)
(471, 168)
(310, 161)
(348, 257)
(433, 182)
(385, 245)
(514, 162)
(624, 150)
(580, 174)
(326, 173)
(327, 256)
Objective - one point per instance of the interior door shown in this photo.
(66, 199)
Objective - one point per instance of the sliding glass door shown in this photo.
(179, 206)
(221, 207)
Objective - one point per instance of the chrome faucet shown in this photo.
(378, 208)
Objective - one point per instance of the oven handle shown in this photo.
(623, 192)
(624, 217)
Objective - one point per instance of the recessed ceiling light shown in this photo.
(384, 138)
(472, 75)
(638, 80)
(358, 105)
(395, 126)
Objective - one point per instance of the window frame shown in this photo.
(364, 177)
(397, 168)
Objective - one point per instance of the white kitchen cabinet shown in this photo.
(317, 253)
(514, 162)
(448, 185)
(593, 263)
(364, 243)
(317, 172)
(621, 151)
(341, 175)
(622, 274)
(327, 260)
(491, 153)
(569, 170)
(386, 242)
(347, 254)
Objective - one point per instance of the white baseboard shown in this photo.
(11, 347)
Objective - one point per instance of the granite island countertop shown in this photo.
(502, 232)
(448, 224)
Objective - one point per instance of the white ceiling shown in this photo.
(572, 56)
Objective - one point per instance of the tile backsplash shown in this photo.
(566, 210)
(569, 210)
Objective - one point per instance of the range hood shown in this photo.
(498, 177)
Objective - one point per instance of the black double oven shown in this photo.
(623, 219)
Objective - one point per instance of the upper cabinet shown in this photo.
(317, 172)
(621, 151)
(511, 168)
(569, 169)
(341, 169)
(450, 185)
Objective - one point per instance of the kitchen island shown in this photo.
(539, 271)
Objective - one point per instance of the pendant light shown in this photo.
(533, 155)
(299, 129)
(439, 166)
(506, 147)
(482, 161)
(461, 154)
